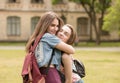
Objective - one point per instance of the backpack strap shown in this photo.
(50, 61)
(32, 48)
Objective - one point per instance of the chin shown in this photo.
(52, 33)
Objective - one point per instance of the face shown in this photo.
(53, 28)
(64, 33)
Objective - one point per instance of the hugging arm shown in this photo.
(55, 42)
(65, 48)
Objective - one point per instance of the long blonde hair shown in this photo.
(42, 26)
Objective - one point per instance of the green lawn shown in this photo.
(101, 67)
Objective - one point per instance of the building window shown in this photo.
(82, 26)
(64, 19)
(13, 26)
(34, 21)
(104, 33)
(37, 1)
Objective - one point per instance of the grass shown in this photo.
(101, 67)
(12, 43)
(10, 66)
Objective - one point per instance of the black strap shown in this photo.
(50, 62)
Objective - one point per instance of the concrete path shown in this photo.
(99, 48)
(78, 48)
(12, 47)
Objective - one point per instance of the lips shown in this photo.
(53, 32)
(61, 37)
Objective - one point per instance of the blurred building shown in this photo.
(19, 17)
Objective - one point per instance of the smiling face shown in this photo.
(64, 33)
(53, 28)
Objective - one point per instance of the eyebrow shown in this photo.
(67, 33)
(54, 24)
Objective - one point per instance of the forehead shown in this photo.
(55, 21)
(66, 29)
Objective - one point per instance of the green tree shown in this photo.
(112, 19)
(92, 8)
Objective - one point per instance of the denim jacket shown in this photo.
(44, 50)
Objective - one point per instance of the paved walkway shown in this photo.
(79, 48)
(12, 47)
(99, 48)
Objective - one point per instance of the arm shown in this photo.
(65, 47)
(67, 62)
(54, 41)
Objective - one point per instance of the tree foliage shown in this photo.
(112, 19)
(93, 8)
(57, 2)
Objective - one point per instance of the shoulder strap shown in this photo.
(35, 43)
(50, 61)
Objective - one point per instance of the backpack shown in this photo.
(30, 71)
(80, 68)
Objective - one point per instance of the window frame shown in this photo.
(13, 26)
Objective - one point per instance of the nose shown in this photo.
(56, 28)
(61, 33)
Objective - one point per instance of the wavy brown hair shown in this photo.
(42, 26)
(72, 38)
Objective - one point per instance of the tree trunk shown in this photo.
(97, 30)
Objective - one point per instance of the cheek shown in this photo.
(66, 39)
(58, 35)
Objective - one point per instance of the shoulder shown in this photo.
(50, 39)
(49, 36)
